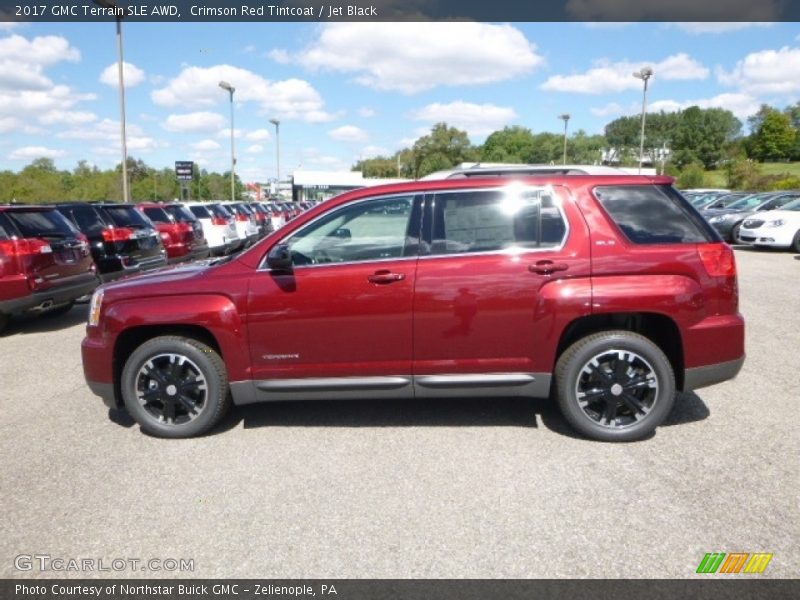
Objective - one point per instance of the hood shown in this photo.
(167, 277)
(717, 212)
(792, 216)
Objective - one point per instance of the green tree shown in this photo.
(510, 145)
(775, 137)
(443, 148)
(702, 136)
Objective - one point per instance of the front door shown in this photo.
(341, 320)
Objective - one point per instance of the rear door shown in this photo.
(480, 317)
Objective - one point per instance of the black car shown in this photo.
(728, 221)
(122, 240)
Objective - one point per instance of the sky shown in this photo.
(344, 91)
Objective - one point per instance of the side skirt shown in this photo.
(532, 385)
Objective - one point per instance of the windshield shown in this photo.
(181, 213)
(126, 216)
(793, 205)
(748, 201)
(42, 223)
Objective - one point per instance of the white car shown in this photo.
(774, 228)
(245, 220)
(218, 225)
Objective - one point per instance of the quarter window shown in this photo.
(369, 230)
(490, 220)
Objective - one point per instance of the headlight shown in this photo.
(718, 219)
(775, 223)
(94, 308)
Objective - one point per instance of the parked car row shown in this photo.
(51, 255)
(761, 219)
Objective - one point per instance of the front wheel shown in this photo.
(796, 243)
(175, 387)
(615, 386)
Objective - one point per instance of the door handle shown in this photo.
(546, 267)
(385, 276)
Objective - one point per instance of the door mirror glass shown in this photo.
(279, 258)
(343, 233)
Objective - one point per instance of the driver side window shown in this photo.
(369, 230)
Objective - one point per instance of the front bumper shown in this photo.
(98, 369)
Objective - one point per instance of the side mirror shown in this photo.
(279, 258)
(343, 233)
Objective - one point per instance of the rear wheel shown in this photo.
(175, 387)
(796, 243)
(615, 386)
(59, 310)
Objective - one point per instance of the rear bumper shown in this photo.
(699, 377)
(112, 269)
(42, 300)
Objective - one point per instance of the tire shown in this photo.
(622, 405)
(796, 243)
(735, 233)
(159, 394)
(4, 319)
(59, 310)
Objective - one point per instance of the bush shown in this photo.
(692, 176)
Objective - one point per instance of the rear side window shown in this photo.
(653, 214)
(42, 223)
(201, 212)
(126, 216)
(85, 217)
(490, 220)
(181, 213)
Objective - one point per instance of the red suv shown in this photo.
(45, 262)
(606, 293)
(180, 231)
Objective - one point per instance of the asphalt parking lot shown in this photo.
(470, 488)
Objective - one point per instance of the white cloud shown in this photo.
(279, 56)
(259, 135)
(366, 112)
(197, 122)
(476, 119)
(34, 152)
(348, 133)
(255, 149)
(373, 151)
(205, 146)
(132, 74)
(676, 10)
(741, 105)
(774, 72)
(287, 99)
(609, 110)
(718, 27)
(413, 57)
(608, 77)
(107, 132)
(69, 118)
(40, 52)
(226, 133)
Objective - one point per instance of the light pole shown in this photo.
(565, 118)
(277, 124)
(227, 86)
(644, 74)
(118, 11)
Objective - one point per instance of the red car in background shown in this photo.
(180, 231)
(45, 262)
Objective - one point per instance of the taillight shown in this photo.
(219, 221)
(184, 227)
(718, 259)
(117, 234)
(243, 218)
(27, 247)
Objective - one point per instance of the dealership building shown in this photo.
(321, 185)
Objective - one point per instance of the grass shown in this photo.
(719, 179)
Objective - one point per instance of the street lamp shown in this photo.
(644, 74)
(277, 124)
(565, 118)
(119, 13)
(227, 86)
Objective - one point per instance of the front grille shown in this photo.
(752, 224)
